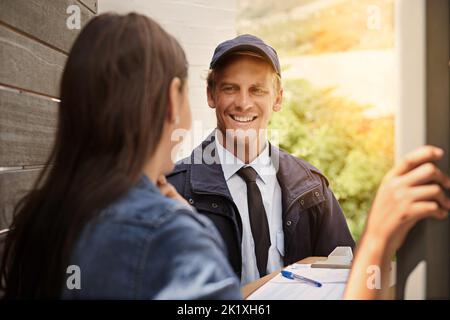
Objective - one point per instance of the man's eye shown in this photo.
(259, 91)
(228, 89)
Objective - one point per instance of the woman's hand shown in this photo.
(411, 191)
(169, 190)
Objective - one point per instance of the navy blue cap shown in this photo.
(246, 42)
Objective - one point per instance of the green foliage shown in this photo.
(334, 134)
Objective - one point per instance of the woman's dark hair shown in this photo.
(114, 95)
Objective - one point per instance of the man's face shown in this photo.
(244, 96)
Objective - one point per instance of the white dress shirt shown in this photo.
(271, 195)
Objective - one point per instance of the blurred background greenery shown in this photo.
(332, 131)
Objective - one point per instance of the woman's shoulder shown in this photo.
(138, 237)
(144, 215)
(146, 206)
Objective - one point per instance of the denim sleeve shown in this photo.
(188, 261)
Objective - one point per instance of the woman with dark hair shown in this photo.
(102, 203)
(97, 205)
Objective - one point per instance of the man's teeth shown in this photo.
(243, 119)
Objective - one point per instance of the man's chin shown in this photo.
(244, 142)
(243, 137)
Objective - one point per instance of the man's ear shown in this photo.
(210, 96)
(278, 101)
(175, 101)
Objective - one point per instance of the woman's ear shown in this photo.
(210, 96)
(175, 101)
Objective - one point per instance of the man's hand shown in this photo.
(169, 190)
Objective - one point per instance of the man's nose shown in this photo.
(243, 100)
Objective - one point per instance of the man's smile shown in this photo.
(243, 119)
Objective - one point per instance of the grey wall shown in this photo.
(34, 44)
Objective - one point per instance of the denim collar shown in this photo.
(144, 182)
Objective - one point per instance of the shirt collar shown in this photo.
(231, 164)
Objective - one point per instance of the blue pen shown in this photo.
(294, 276)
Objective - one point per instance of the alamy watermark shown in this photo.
(238, 142)
(73, 281)
(374, 279)
(73, 22)
(373, 17)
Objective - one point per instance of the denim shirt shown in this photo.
(146, 246)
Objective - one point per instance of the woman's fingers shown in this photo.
(165, 188)
(414, 159)
(425, 209)
(169, 190)
(424, 174)
(430, 192)
(162, 180)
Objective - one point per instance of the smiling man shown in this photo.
(271, 208)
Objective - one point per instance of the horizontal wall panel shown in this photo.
(29, 65)
(13, 186)
(27, 128)
(91, 4)
(45, 20)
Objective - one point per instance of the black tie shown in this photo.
(258, 218)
